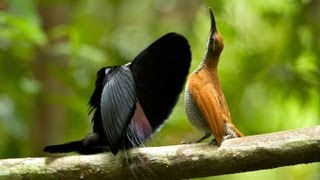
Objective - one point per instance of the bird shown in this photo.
(131, 102)
(205, 104)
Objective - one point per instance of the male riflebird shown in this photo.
(205, 104)
(131, 102)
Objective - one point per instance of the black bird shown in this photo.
(132, 101)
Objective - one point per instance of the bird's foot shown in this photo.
(199, 140)
(213, 142)
(203, 138)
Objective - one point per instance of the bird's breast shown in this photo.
(194, 114)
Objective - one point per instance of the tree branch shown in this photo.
(176, 162)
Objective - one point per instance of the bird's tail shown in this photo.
(231, 130)
(65, 148)
(239, 133)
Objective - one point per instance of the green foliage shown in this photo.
(269, 68)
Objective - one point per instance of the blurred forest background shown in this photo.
(51, 50)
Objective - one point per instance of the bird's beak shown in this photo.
(213, 22)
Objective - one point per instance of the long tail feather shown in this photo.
(65, 148)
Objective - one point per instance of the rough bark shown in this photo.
(176, 162)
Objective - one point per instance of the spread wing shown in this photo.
(117, 104)
(160, 72)
(205, 96)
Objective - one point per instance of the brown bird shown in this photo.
(205, 104)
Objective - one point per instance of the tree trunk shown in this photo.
(49, 116)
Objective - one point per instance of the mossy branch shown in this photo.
(176, 162)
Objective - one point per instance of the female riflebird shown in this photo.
(205, 104)
(131, 102)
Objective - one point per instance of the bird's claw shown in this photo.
(213, 142)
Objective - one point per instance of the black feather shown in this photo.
(159, 73)
(91, 144)
(117, 104)
(152, 83)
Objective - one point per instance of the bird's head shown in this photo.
(215, 40)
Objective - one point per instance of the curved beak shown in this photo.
(213, 22)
